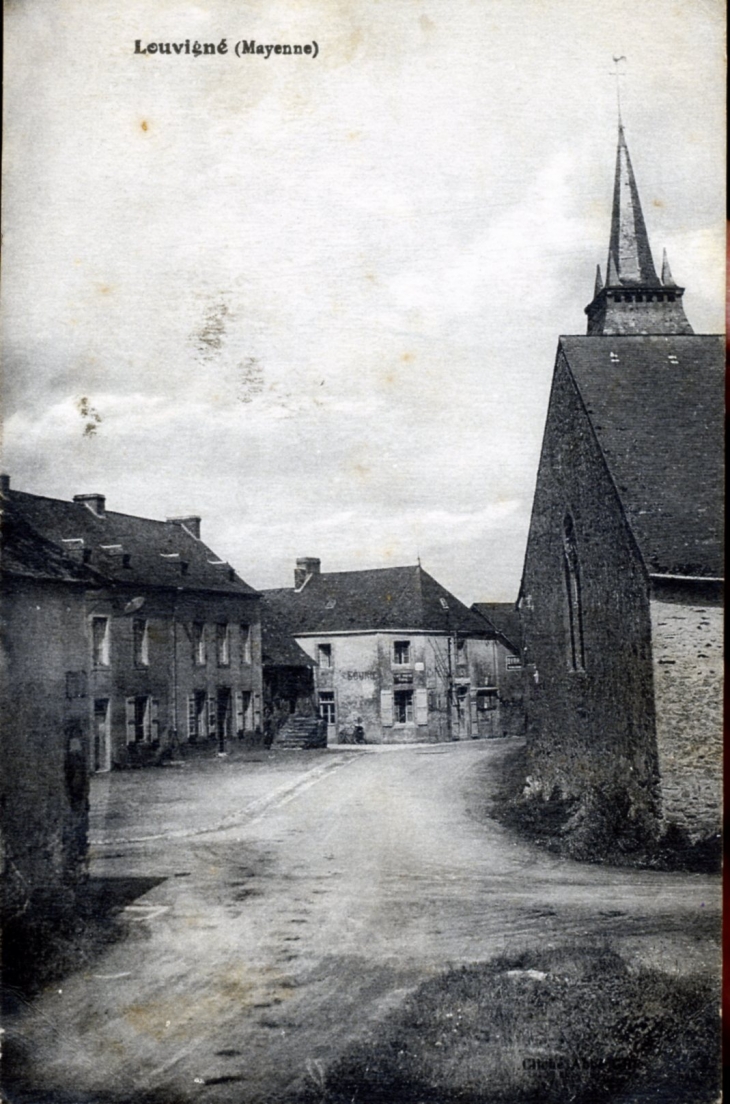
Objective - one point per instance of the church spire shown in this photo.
(633, 300)
(629, 243)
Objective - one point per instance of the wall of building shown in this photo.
(45, 733)
(687, 643)
(589, 727)
(365, 681)
(172, 675)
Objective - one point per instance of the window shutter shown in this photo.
(386, 708)
(192, 717)
(130, 720)
(239, 712)
(212, 717)
(421, 706)
(154, 709)
(257, 710)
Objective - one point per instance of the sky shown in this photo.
(317, 300)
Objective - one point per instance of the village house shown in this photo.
(173, 651)
(396, 655)
(44, 778)
(503, 619)
(623, 575)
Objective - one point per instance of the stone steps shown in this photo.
(301, 733)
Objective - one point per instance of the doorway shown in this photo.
(327, 713)
(101, 750)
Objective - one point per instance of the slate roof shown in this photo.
(156, 550)
(656, 404)
(278, 646)
(28, 554)
(504, 619)
(387, 598)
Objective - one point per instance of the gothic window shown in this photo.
(576, 653)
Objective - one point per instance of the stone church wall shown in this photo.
(589, 729)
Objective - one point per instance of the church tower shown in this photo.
(633, 300)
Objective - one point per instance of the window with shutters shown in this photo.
(196, 715)
(100, 641)
(142, 720)
(223, 644)
(401, 652)
(141, 637)
(403, 706)
(212, 718)
(199, 650)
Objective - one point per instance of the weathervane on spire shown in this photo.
(618, 74)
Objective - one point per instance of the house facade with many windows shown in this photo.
(173, 634)
(398, 659)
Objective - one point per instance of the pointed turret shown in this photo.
(667, 278)
(599, 281)
(634, 300)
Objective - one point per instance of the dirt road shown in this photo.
(298, 903)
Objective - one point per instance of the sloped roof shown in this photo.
(656, 404)
(28, 554)
(278, 646)
(156, 550)
(387, 598)
(504, 619)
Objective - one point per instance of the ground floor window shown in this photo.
(142, 720)
(196, 715)
(327, 706)
(486, 701)
(403, 706)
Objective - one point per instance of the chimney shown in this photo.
(305, 568)
(4, 484)
(95, 502)
(191, 523)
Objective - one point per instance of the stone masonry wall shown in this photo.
(687, 646)
(589, 729)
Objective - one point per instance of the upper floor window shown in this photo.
(100, 641)
(576, 652)
(246, 643)
(141, 636)
(223, 644)
(199, 650)
(401, 652)
(324, 655)
(460, 653)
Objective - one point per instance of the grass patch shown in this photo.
(597, 827)
(564, 1026)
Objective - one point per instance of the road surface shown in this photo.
(285, 905)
